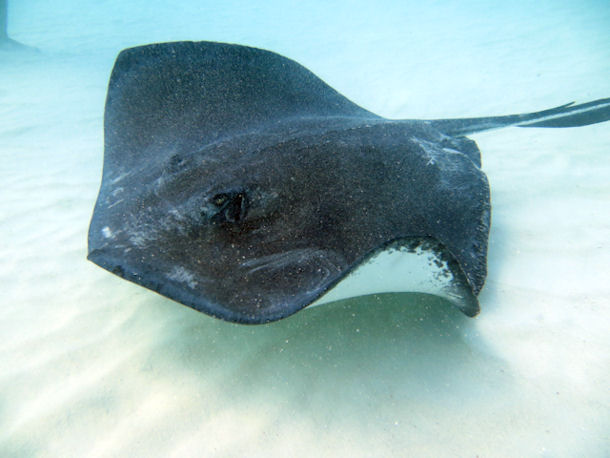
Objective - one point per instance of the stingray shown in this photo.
(238, 183)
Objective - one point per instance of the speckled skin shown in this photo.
(238, 183)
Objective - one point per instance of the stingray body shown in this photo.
(238, 183)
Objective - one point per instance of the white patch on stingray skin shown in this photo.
(181, 275)
(397, 269)
(107, 232)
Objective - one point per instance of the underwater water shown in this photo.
(91, 365)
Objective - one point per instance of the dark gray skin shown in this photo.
(238, 183)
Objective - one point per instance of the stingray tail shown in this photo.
(568, 115)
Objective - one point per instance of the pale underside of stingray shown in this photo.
(238, 183)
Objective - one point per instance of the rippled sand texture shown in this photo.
(91, 365)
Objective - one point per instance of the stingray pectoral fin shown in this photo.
(273, 287)
(166, 95)
(258, 290)
(411, 265)
(568, 115)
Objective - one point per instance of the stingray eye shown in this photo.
(230, 207)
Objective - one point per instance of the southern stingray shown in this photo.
(238, 183)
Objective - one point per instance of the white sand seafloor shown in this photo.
(91, 365)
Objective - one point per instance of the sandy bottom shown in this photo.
(91, 365)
